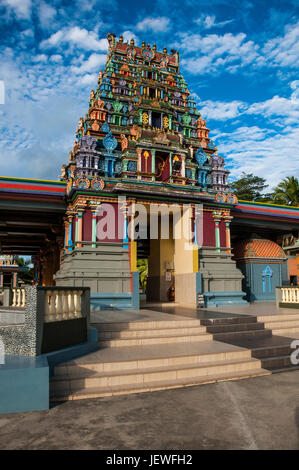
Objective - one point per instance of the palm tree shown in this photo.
(287, 191)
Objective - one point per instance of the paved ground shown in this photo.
(255, 309)
(260, 413)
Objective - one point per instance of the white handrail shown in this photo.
(290, 295)
(18, 298)
(62, 304)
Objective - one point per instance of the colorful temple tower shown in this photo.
(143, 141)
(9, 271)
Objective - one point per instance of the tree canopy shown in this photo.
(287, 192)
(249, 187)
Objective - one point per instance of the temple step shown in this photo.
(235, 327)
(278, 363)
(134, 334)
(146, 340)
(124, 334)
(228, 321)
(285, 331)
(235, 335)
(146, 325)
(87, 383)
(278, 317)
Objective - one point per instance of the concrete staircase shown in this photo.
(266, 336)
(281, 324)
(146, 333)
(140, 356)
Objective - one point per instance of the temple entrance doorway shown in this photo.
(167, 263)
(155, 262)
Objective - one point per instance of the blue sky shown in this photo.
(239, 57)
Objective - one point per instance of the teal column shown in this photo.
(217, 219)
(15, 280)
(76, 230)
(70, 237)
(124, 210)
(94, 211)
(94, 230)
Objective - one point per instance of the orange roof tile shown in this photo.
(257, 248)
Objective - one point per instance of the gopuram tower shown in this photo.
(144, 142)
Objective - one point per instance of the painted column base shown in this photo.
(217, 299)
(117, 301)
(111, 301)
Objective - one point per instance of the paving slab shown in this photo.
(255, 309)
(111, 316)
(155, 351)
(256, 413)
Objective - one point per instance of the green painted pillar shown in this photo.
(140, 116)
(217, 219)
(94, 230)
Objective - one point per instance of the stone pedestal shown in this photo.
(104, 269)
(221, 279)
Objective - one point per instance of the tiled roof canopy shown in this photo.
(258, 248)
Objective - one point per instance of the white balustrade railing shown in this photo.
(290, 295)
(18, 298)
(62, 304)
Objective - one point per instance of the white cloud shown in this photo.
(158, 24)
(56, 58)
(21, 8)
(216, 51)
(208, 21)
(128, 35)
(40, 58)
(277, 108)
(46, 14)
(89, 78)
(263, 152)
(295, 86)
(220, 110)
(93, 62)
(42, 104)
(80, 37)
(284, 50)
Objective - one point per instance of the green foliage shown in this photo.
(27, 275)
(287, 192)
(142, 266)
(249, 187)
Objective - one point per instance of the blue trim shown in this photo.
(25, 381)
(111, 301)
(135, 294)
(215, 299)
(198, 282)
(24, 384)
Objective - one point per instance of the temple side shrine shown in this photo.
(9, 271)
(144, 142)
